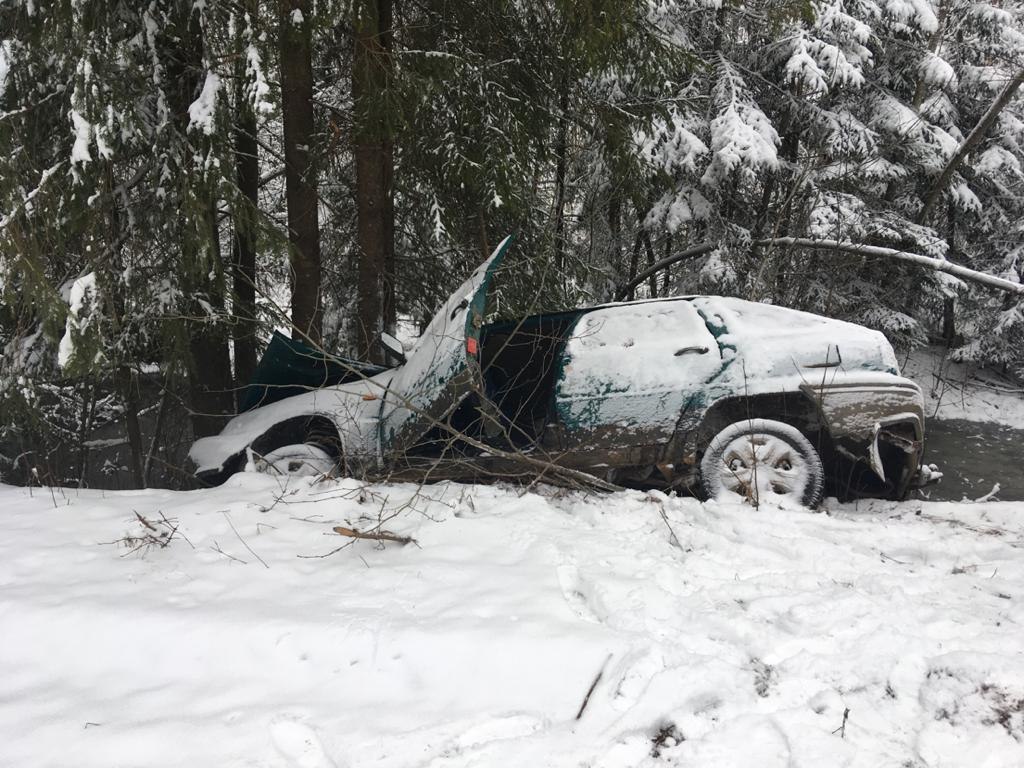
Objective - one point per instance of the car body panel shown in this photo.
(353, 407)
(632, 369)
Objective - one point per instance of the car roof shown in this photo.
(572, 314)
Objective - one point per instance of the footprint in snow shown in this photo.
(577, 593)
(469, 747)
(640, 668)
(299, 744)
(509, 727)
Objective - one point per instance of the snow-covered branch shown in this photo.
(835, 246)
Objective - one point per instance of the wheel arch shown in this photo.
(309, 428)
(793, 408)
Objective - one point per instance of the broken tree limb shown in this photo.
(940, 265)
(835, 246)
(689, 253)
(352, 533)
(973, 139)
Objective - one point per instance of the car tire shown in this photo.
(759, 460)
(298, 460)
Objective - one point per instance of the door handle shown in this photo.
(687, 350)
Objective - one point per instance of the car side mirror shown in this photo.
(393, 347)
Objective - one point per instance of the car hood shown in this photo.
(774, 341)
(352, 407)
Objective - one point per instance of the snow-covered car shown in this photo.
(704, 392)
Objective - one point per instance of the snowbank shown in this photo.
(723, 636)
(959, 391)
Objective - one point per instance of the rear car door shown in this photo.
(629, 371)
(442, 369)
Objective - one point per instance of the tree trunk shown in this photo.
(972, 140)
(128, 384)
(85, 428)
(561, 150)
(158, 432)
(653, 280)
(244, 256)
(388, 310)
(211, 400)
(210, 382)
(667, 277)
(634, 265)
(300, 168)
(372, 148)
(615, 233)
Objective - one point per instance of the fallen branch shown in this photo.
(940, 265)
(375, 535)
(835, 246)
(593, 685)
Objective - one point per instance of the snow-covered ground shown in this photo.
(711, 635)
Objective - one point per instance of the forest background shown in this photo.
(180, 177)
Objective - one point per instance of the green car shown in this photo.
(719, 395)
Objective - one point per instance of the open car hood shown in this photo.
(440, 370)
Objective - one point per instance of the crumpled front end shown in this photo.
(350, 409)
(877, 420)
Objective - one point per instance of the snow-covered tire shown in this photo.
(299, 460)
(762, 460)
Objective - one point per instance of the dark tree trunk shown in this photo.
(372, 148)
(561, 151)
(666, 278)
(615, 233)
(158, 433)
(211, 399)
(653, 279)
(300, 169)
(127, 383)
(210, 382)
(85, 428)
(389, 312)
(244, 256)
(634, 265)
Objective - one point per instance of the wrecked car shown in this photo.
(707, 393)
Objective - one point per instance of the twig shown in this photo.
(328, 554)
(145, 522)
(841, 730)
(216, 548)
(892, 559)
(673, 538)
(593, 685)
(244, 543)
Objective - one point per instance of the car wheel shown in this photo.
(761, 460)
(299, 460)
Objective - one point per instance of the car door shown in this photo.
(442, 367)
(630, 370)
